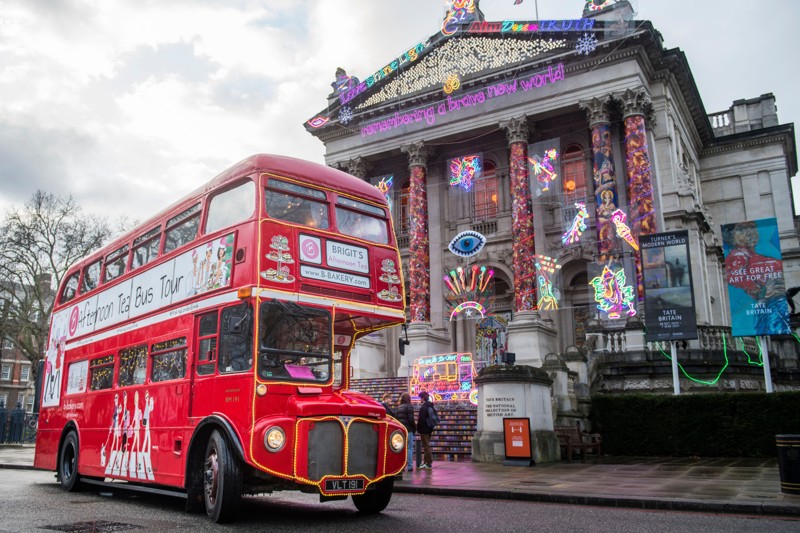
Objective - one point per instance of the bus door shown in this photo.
(205, 355)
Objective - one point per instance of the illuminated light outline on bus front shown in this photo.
(295, 296)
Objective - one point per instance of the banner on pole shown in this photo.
(754, 275)
(669, 295)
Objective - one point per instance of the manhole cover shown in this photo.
(97, 526)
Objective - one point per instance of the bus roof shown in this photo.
(282, 165)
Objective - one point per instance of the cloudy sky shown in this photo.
(130, 104)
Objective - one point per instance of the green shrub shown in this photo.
(695, 425)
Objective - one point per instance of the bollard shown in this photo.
(3, 418)
(418, 451)
(17, 423)
(788, 447)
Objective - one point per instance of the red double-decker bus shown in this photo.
(207, 352)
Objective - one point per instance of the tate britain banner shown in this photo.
(754, 274)
(669, 296)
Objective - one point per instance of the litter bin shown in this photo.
(789, 462)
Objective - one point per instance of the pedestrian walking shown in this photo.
(405, 415)
(426, 422)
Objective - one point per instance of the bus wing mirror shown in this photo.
(404, 342)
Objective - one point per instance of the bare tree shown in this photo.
(38, 244)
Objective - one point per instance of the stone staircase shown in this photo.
(452, 440)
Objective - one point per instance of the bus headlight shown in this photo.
(397, 441)
(274, 439)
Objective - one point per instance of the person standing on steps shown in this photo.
(425, 429)
(405, 415)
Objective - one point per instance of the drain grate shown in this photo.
(96, 526)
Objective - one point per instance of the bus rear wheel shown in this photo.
(222, 480)
(374, 501)
(68, 463)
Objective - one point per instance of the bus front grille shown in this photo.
(326, 444)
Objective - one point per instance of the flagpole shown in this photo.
(536, 3)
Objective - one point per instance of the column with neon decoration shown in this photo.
(419, 261)
(529, 337)
(642, 215)
(604, 174)
(523, 247)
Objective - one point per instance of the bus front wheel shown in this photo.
(68, 463)
(222, 480)
(374, 501)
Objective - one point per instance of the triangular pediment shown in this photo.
(462, 58)
(475, 51)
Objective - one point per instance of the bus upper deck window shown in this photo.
(362, 225)
(70, 288)
(295, 203)
(91, 276)
(182, 229)
(115, 263)
(145, 247)
(231, 206)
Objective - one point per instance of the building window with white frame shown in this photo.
(25, 373)
(5, 374)
(7, 344)
(4, 399)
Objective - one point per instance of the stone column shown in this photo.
(604, 173)
(424, 341)
(528, 336)
(521, 215)
(642, 215)
(419, 261)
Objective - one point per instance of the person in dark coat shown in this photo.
(425, 430)
(405, 415)
(385, 399)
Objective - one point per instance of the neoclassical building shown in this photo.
(531, 134)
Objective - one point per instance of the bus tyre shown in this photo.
(374, 501)
(222, 480)
(68, 463)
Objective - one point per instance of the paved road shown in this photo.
(31, 501)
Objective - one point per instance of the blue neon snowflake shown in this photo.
(587, 44)
(345, 115)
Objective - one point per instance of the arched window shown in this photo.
(404, 213)
(484, 193)
(573, 171)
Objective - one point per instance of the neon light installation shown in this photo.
(463, 171)
(510, 26)
(596, 5)
(575, 231)
(461, 11)
(467, 243)
(385, 186)
(546, 265)
(452, 83)
(542, 167)
(619, 218)
(612, 294)
(447, 377)
(467, 100)
(468, 291)
(318, 121)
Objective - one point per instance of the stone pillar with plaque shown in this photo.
(514, 391)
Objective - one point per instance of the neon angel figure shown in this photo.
(612, 294)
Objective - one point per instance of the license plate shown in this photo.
(344, 485)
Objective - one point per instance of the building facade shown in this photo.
(561, 144)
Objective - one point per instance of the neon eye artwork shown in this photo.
(612, 294)
(467, 243)
(463, 171)
(318, 121)
(468, 291)
(619, 218)
(574, 232)
(542, 168)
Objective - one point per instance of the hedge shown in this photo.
(695, 425)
